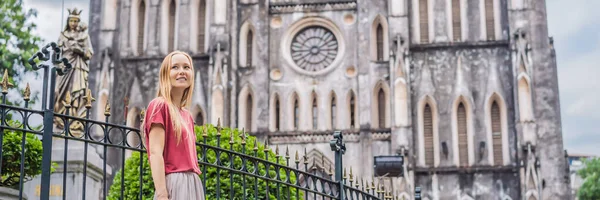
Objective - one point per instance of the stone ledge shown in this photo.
(465, 170)
(459, 45)
(286, 7)
(300, 137)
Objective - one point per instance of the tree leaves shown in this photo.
(17, 42)
(11, 156)
(590, 189)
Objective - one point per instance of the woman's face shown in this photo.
(73, 23)
(180, 72)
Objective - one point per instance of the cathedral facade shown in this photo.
(465, 90)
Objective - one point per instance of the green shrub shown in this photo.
(132, 166)
(11, 156)
(590, 188)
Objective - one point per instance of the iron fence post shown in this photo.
(339, 147)
(47, 140)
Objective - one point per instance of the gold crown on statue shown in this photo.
(74, 13)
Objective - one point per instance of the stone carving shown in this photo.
(531, 174)
(77, 48)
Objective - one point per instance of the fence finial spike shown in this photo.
(266, 145)
(26, 93)
(218, 127)
(287, 152)
(373, 183)
(142, 115)
(243, 136)
(205, 131)
(345, 173)
(5, 83)
(351, 176)
(255, 144)
(297, 157)
(277, 150)
(231, 137)
(107, 109)
(305, 157)
(330, 171)
(88, 98)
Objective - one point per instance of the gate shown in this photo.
(234, 165)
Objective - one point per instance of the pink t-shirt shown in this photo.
(180, 157)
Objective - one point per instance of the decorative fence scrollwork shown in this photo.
(234, 165)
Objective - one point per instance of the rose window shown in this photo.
(314, 48)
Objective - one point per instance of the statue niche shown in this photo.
(77, 48)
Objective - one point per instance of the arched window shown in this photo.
(249, 113)
(352, 111)
(379, 42)
(428, 135)
(456, 20)
(314, 112)
(201, 24)
(296, 113)
(496, 133)
(171, 40)
(333, 111)
(277, 113)
(381, 107)
(141, 25)
(249, 48)
(199, 118)
(463, 145)
(423, 21)
(489, 19)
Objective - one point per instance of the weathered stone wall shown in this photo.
(486, 67)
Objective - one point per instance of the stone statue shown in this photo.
(77, 48)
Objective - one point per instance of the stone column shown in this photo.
(74, 172)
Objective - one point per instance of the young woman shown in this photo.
(169, 133)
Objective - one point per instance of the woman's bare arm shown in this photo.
(157, 163)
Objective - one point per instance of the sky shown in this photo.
(573, 24)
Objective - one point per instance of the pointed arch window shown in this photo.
(496, 133)
(428, 134)
(315, 112)
(277, 113)
(463, 145)
(381, 108)
(249, 48)
(333, 111)
(489, 19)
(296, 113)
(352, 111)
(423, 21)
(199, 119)
(379, 42)
(456, 20)
(201, 25)
(171, 40)
(248, 125)
(141, 25)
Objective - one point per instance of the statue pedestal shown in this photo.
(72, 173)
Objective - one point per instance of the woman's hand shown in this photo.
(162, 196)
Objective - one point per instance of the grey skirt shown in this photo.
(184, 186)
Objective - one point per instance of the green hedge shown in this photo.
(132, 171)
(11, 156)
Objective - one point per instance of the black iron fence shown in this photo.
(234, 165)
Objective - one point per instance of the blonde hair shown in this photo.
(164, 93)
